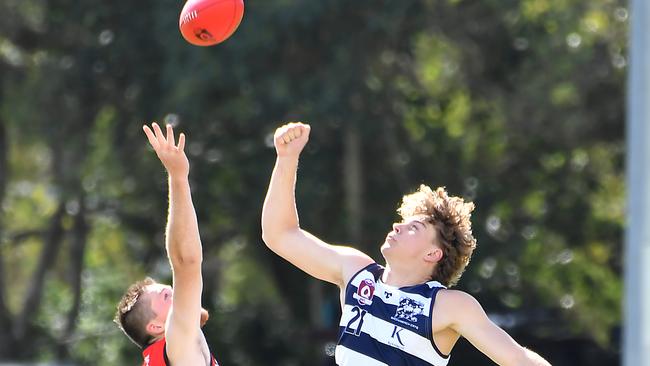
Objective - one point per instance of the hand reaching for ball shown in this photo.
(170, 154)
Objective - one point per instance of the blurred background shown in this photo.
(517, 105)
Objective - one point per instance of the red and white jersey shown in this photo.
(156, 355)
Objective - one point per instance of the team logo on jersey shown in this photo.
(146, 360)
(365, 292)
(409, 309)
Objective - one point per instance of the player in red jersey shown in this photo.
(164, 321)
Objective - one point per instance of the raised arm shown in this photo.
(466, 316)
(183, 243)
(280, 227)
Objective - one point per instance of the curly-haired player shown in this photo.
(401, 313)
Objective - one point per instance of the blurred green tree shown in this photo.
(517, 105)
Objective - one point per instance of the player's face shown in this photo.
(411, 239)
(161, 300)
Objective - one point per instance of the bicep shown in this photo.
(184, 318)
(495, 343)
(472, 323)
(324, 261)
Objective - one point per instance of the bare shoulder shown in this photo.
(352, 261)
(456, 298)
(452, 306)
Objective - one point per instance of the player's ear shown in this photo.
(153, 327)
(434, 255)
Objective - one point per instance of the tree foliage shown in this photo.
(517, 105)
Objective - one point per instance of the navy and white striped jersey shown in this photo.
(384, 325)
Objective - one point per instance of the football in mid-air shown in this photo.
(209, 22)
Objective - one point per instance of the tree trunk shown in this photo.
(397, 170)
(6, 340)
(352, 175)
(51, 244)
(3, 159)
(77, 252)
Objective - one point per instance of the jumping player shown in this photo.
(164, 321)
(401, 313)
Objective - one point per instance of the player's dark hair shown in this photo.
(134, 312)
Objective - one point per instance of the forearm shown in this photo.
(279, 212)
(533, 359)
(182, 238)
(525, 357)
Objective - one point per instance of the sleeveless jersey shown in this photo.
(384, 325)
(155, 354)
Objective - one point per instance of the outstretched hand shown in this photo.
(290, 139)
(171, 155)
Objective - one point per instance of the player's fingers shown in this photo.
(306, 129)
(298, 129)
(292, 133)
(280, 132)
(150, 136)
(285, 138)
(170, 136)
(159, 133)
(181, 142)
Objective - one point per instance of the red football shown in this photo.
(208, 22)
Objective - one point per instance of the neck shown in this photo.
(156, 339)
(401, 277)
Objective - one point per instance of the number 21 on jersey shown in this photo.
(355, 324)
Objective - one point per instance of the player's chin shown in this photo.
(204, 316)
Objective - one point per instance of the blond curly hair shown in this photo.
(451, 218)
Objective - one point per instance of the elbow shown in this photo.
(270, 231)
(275, 238)
(275, 229)
(269, 237)
(186, 259)
(190, 261)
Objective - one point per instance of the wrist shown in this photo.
(178, 177)
(288, 159)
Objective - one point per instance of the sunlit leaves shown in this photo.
(566, 279)
(513, 104)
